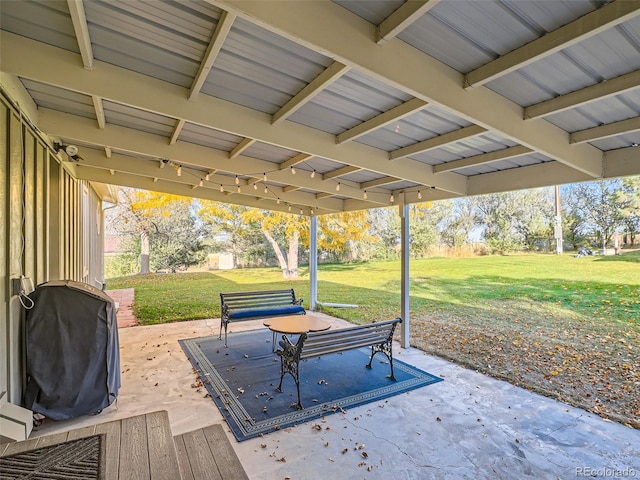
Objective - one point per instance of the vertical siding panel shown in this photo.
(29, 202)
(39, 206)
(15, 255)
(4, 247)
(55, 215)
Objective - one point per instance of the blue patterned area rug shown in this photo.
(242, 381)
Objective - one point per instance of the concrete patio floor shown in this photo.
(469, 426)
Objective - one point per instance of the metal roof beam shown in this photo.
(176, 132)
(241, 147)
(604, 131)
(79, 21)
(37, 61)
(322, 81)
(147, 183)
(99, 109)
(378, 181)
(580, 29)
(215, 45)
(599, 91)
(338, 172)
(385, 118)
(621, 162)
(482, 159)
(402, 18)
(123, 139)
(301, 157)
(124, 164)
(350, 42)
(437, 142)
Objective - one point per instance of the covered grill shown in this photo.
(73, 358)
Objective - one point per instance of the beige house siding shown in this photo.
(50, 228)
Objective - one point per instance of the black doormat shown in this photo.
(242, 379)
(81, 459)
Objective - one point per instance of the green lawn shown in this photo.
(562, 326)
(597, 287)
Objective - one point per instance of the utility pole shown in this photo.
(557, 231)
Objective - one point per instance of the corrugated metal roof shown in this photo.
(137, 119)
(270, 153)
(267, 59)
(60, 99)
(353, 98)
(46, 21)
(208, 137)
(261, 70)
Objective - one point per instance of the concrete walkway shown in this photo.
(469, 426)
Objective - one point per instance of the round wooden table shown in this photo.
(293, 325)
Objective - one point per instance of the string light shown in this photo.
(313, 173)
(179, 170)
(364, 195)
(419, 195)
(312, 211)
(289, 207)
(301, 212)
(338, 187)
(255, 186)
(237, 180)
(278, 201)
(207, 176)
(266, 190)
(264, 177)
(391, 198)
(201, 183)
(221, 188)
(239, 189)
(293, 171)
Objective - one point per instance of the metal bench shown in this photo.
(377, 335)
(239, 306)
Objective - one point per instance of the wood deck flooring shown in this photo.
(143, 448)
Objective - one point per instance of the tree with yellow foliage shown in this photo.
(286, 232)
(141, 212)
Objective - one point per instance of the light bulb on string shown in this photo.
(364, 195)
(255, 186)
(313, 173)
(391, 198)
(201, 183)
(312, 211)
(264, 177)
(237, 180)
(278, 201)
(289, 207)
(266, 190)
(221, 188)
(293, 171)
(179, 170)
(207, 176)
(419, 195)
(338, 187)
(239, 189)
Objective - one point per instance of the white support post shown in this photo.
(403, 211)
(313, 263)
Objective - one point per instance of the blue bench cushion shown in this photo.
(266, 311)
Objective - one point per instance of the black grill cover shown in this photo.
(73, 357)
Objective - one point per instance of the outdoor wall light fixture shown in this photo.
(70, 150)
